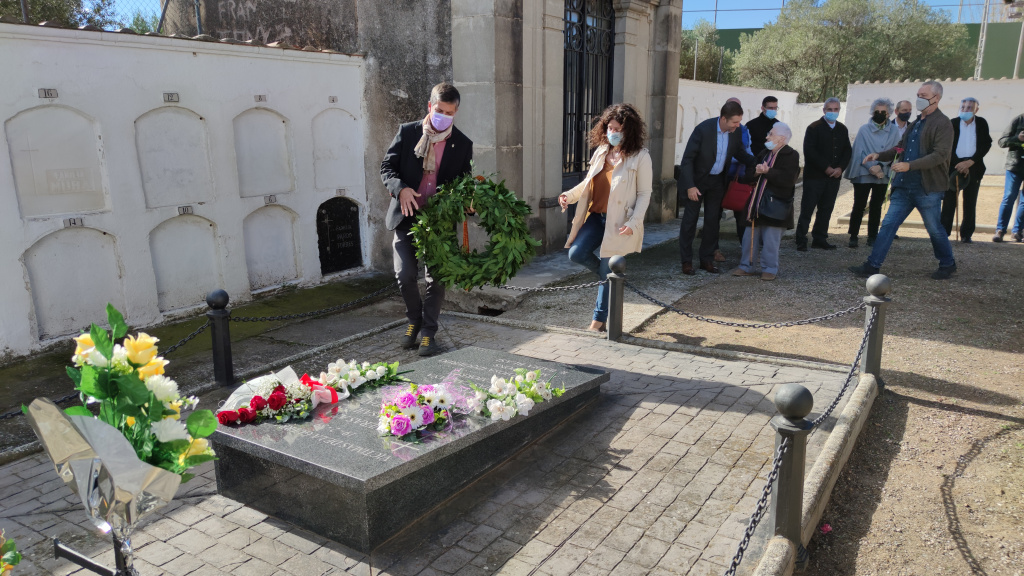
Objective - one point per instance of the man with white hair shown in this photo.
(921, 164)
(971, 141)
(827, 151)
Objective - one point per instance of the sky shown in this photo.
(757, 13)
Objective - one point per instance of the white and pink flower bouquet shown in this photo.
(404, 413)
(516, 395)
(349, 376)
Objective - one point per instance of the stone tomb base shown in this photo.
(335, 476)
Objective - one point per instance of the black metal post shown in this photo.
(220, 333)
(123, 557)
(616, 283)
(62, 551)
(794, 403)
(879, 286)
(199, 19)
(163, 14)
(24, 11)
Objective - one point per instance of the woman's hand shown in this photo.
(563, 201)
(761, 168)
(876, 171)
(625, 231)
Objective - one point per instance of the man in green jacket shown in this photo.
(921, 163)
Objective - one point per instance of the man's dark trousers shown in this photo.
(970, 195)
(712, 189)
(819, 194)
(407, 268)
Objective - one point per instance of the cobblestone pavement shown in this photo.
(657, 476)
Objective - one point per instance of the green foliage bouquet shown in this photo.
(127, 381)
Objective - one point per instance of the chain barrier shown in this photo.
(18, 412)
(553, 288)
(762, 505)
(853, 370)
(693, 316)
(385, 290)
(185, 340)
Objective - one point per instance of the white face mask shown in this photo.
(769, 144)
(922, 103)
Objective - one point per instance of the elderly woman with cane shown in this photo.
(770, 210)
(612, 199)
(871, 179)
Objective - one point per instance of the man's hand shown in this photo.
(964, 166)
(407, 198)
(563, 201)
(870, 158)
(693, 194)
(901, 167)
(625, 231)
(761, 168)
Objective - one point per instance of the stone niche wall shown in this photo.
(202, 166)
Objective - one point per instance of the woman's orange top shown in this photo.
(602, 187)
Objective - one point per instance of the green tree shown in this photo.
(704, 37)
(818, 48)
(68, 13)
(143, 23)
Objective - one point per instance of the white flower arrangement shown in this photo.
(505, 398)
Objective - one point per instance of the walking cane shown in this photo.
(956, 208)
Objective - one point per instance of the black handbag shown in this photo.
(769, 206)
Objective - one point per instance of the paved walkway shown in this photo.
(658, 476)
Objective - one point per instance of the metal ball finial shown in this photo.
(617, 264)
(217, 300)
(879, 285)
(794, 401)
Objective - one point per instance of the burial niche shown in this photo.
(174, 157)
(337, 231)
(184, 254)
(262, 153)
(270, 247)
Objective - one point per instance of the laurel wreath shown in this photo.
(501, 214)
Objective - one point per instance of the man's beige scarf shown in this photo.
(425, 147)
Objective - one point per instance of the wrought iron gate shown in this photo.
(589, 42)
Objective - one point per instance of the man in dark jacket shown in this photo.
(702, 172)
(760, 126)
(827, 151)
(1013, 140)
(425, 155)
(922, 176)
(971, 141)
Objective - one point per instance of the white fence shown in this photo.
(147, 171)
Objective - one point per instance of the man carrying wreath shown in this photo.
(425, 155)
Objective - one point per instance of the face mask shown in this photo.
(923, 103)
(769, 145)
(614, 138)
(880, 117)
(966, 116)
(831, 117)
(441, 122)
(770, 114)
(903, 116)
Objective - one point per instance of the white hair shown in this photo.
(782, 129)
(936, 87)
(882, 102)
(831, 100)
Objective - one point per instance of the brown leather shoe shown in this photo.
(767, 277)
(710, 267)
(719, 257)
(688, 268)
(742, 272)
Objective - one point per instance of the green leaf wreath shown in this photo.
(502, 215)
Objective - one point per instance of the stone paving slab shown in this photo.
(658, 476)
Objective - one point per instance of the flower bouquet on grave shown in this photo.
(517, 395)
(128, 384)
(404, 413)
(352, 375)
(281, 397)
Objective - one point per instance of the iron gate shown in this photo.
(589, 42)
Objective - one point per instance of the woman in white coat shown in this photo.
(612, 199)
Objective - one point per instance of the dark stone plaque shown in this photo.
(334, 475)
(337, 232)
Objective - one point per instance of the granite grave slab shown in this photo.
(336, 476)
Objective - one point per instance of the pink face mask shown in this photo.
(440, 121)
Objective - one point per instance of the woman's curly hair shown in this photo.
(634, 131)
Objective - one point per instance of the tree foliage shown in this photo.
(817, 48)
(67, 13)
(704, 37)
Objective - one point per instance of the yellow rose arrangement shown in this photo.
(127, 380)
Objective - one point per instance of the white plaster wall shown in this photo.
(112, 82)
(699, 101)
(804, 114)
(1000, 101)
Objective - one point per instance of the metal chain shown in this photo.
(814, 320)
(762, 505)
(853, 369)
(385, 290)
(552, 288)
(18, 411)
(185, 340)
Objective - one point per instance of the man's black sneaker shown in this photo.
(823, 246)
(865, 270)
(801, 247)
(944, 272)
(428, 346)
(409, 340)
(853, 242)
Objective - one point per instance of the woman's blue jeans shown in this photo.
(582, 252)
